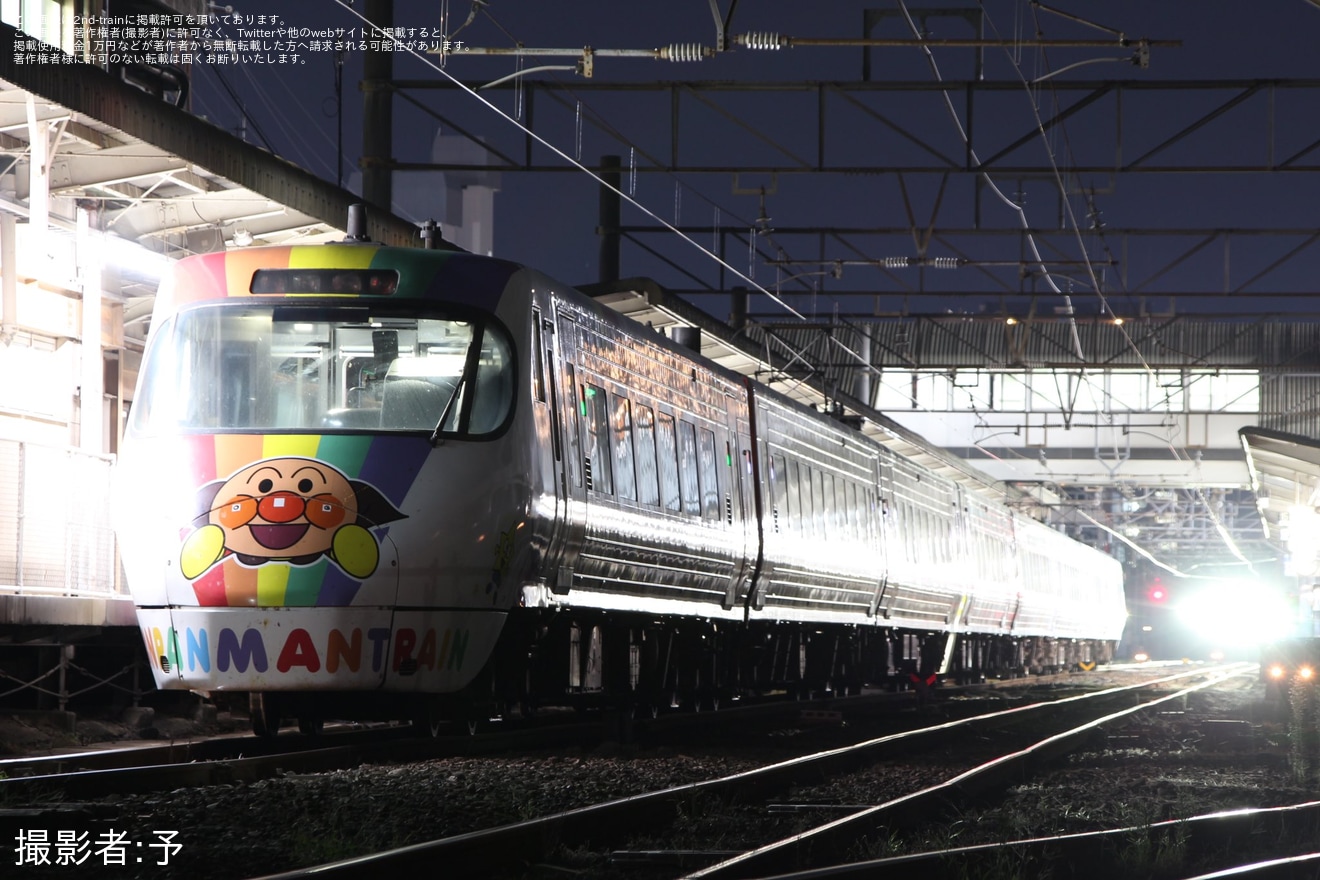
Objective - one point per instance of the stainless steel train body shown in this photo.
(360, 470)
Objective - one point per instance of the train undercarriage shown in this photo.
(646, 666)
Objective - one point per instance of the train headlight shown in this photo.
(1141, 656)
(1277, 672)
(1235, 614)
(1305, 673)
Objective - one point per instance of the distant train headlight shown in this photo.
(1277, 672)
(1305, 673)
(1236, 614)
(1141, 656)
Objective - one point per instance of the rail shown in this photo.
(496, 848)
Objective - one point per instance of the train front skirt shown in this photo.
(299, 649)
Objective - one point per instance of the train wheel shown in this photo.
(310, 725)
(429, 719)
(264, 710)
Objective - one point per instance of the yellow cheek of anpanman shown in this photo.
(356, 551)
(201, 549)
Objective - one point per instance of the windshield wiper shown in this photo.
(449, 405)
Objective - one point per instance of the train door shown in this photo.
(740, 507)
(551, 483)
(769, 504)
(963, 562)
(571, 500)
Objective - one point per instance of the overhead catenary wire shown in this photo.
(745, 277)
(994, 188)
(856, 356)
(592, 174)
(1096, 287)
(754, 233)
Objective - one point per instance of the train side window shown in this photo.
(779, 490)
(831, 518)
(833, 501)
(599, 476)
(666, 451)
(842, 511)
(625, 475)
(850, 509)
(710, 489)
(538, 358)
(845, 509)
(908, 524)
(819, 513)
(808, 506)
(941, 526)
(571, 404)
(493, 394)
(911, 527)
(833, 521)
(794, 498)
(870, 526)
(922, 532)
(648, 484)
(687, 468)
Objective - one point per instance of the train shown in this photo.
(369, 481)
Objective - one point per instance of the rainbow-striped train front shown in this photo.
(276, 536)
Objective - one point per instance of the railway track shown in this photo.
(234, 759)
(508, 850)
(240, 759)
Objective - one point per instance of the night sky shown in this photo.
(549, 219)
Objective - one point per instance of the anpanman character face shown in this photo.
(292, 510)
(283, 507)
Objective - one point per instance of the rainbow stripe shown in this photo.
(390, 463)
(448, 276)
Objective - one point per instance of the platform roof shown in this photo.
(164, 178)
(1285, 470)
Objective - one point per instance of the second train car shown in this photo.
(374, 481)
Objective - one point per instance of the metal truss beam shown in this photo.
(828, 114)
(1147, 269)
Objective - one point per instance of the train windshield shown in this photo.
(324, 369)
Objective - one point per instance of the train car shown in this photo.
(363, 481)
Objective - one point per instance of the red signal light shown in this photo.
(1156, 592)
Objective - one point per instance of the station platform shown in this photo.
(59, 653)
(27, 610)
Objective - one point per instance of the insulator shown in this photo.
(896, 262)
(767, 40)
(944, 262)
(683, 52)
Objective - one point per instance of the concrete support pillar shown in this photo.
(38, 188)
(377, 112)
(91, 373)
(8, 277)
